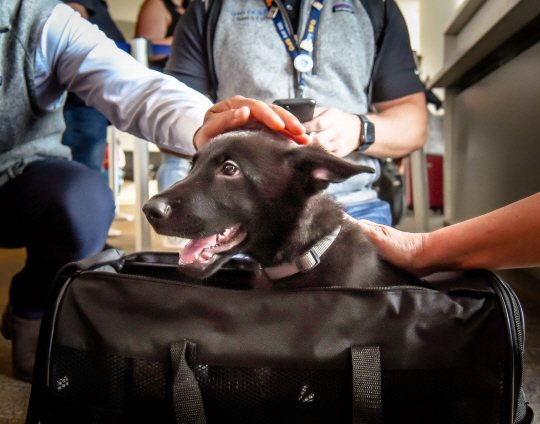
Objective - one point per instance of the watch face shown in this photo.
(369, 132)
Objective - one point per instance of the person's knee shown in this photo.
(86, 206)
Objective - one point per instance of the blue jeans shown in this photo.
(172, 170)
(377, 211)
(60, 211)
(86, 135)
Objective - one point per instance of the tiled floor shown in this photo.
(14, 394)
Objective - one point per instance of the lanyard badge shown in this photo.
(301, 56)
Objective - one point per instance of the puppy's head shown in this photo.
(244, 194)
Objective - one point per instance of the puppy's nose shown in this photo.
(156, 209)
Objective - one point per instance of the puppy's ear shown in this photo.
(323, 168)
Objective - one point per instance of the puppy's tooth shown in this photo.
(206, 255)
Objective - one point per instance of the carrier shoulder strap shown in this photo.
(376, 10)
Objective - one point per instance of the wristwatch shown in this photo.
(368, 133)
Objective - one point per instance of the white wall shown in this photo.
(435, 15)
(411, 12)
(124, 10)
(124, 13)
(427, 21)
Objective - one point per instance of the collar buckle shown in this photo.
(308, 261)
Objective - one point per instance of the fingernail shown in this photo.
(240, 112)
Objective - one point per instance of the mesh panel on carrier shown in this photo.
(138, 388)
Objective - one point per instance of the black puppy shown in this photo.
(253, 191)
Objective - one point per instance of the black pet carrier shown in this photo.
(125, 340)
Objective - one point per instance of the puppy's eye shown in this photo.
(230, 169)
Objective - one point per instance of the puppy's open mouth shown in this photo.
(204, 251)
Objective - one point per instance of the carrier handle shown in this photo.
(366, 376)
(111, 257)
(187, 398)
(366, 368)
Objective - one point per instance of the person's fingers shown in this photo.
(388, 240)
(262, 112)
(298, 139)
(258, 109)
(273, 116)
(293, 128)
(325, 138)
(216, 123)
(228, 119)
(319, 123)
(292, 124)
(218, 119)
(375, 232)
(235, 102)
(403, 249)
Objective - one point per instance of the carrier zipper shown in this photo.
(306, 289)
(515, 322)
(58, 300)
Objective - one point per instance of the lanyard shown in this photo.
(301, 57)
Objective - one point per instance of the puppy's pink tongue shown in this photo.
(195, 247)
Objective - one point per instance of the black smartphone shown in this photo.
(303, 109)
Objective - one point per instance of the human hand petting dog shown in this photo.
(337, 131)
(397, 247)
(236, 111)
(502, 239)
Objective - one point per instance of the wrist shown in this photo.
(424, 257)
(197, 143)
(433, 253)
(361, 133)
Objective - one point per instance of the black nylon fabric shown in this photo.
(366, 365)
(443, 351)
(414, 327)
(187, 399)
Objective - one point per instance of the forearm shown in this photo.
(506, 238)
(167, 41)
(400, 126)
(135, 99)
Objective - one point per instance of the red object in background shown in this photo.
(120, 158)
(434, 165)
